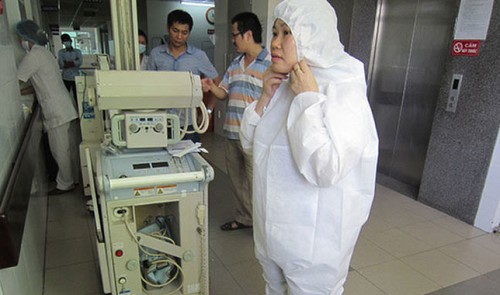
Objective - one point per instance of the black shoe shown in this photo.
(57, 191)
(233, 225)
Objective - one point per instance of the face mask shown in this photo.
(67, 44)
(25, 45)
(142, 48)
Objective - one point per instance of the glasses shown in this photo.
(235, 34)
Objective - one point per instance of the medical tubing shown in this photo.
(205, 121)
(197, 128)
(184, 130)
(166, 260)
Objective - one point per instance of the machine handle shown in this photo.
(97, 215)
(152, 180)
(175, 127)
(116, 131)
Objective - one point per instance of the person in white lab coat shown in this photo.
(315, 150)
(59, 114)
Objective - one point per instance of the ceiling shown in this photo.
(76, 13)
(83, 13)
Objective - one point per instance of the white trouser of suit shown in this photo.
(62, 151)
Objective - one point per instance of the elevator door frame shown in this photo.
(410, 48)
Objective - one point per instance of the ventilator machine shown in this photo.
(150, 206)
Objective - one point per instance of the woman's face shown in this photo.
(283, 48)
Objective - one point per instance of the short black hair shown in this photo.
(180, 16)
(248, 21)
(141, 33)
(65, 37)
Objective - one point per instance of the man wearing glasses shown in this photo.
(242, 84)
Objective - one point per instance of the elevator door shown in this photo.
(411, 46)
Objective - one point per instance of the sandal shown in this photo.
(233, 225)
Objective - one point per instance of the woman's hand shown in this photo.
(271, 82)
(302, 79)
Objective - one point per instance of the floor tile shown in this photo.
(461, 228)
(367, 253)
(423, 210)
(59, 229)
(234, 247)
(396, 216)
(473, 255)
(489, 241)
(62, 207)
(374, 226)
(75, 279)
(396, 278)
(476, 286)
(356, 284)
(398, 243)
(440, 268)
(249, 276)
(432, 234)
(221, 282)
(494, 275)
(67, 252)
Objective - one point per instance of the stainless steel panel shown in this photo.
(433, 27)
(411, 48)
(388, 81)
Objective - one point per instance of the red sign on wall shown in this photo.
(465, 47)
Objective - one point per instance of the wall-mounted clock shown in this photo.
(210, 15)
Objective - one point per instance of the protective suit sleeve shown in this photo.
(247, 127)
(328, 133)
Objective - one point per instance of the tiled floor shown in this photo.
(405, 248)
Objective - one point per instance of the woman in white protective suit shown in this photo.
(315, 150)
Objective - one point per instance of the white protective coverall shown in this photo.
(315, 158)
(58, 111)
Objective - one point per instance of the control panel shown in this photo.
(456, 83)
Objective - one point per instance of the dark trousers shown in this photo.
(71, 86)
(194, 137)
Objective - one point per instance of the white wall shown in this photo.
(11, 114)
(265, 11)
(27, 276)
(488, 214)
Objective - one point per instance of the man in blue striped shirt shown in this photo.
(178, 55)
(242, 84)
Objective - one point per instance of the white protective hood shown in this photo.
(310, 24)
(315, 158)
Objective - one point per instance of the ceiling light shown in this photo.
(198, 2)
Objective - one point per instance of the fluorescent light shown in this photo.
(198, 2)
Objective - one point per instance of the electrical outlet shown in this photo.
(120, 212)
